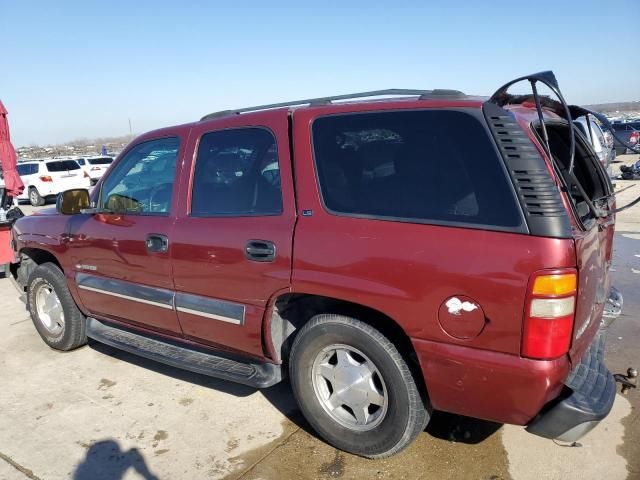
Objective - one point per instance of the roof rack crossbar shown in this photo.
(424, 94)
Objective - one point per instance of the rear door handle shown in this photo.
(157, 243)
(260, 251)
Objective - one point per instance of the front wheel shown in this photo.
(53, 311)
(355, 388)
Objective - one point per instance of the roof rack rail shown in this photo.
(424, 95)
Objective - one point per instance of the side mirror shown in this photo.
(71, 202)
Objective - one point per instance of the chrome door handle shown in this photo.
(157, 243)
(260, 251)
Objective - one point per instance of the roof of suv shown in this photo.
(390, 95)
(364, 101)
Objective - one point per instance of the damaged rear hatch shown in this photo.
(588, 195)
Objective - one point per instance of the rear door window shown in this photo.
(62, 166)
(237, 174)
(425, 166)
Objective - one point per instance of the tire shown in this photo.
(60, 333)
(35, 199)
(387, 428)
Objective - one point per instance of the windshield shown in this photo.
(62, 166)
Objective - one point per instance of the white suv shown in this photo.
(46, 178)
(95, 166)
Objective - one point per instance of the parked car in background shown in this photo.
(44, 179)
(608, 140)
(629, 132)
(95, 166)
(598, 140)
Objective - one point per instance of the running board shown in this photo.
(218, 365)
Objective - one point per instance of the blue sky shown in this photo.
(73, 69)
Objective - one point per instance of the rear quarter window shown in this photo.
(424, 166)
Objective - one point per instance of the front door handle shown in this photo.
(157, 243)
(260, 251)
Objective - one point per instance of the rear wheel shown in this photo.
(35, 198)
(355, 388)
(53, 310)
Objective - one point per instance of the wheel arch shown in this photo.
(290, 311)
(30, 258)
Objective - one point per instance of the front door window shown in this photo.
(142, 182)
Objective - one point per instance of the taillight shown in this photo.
(46, 178)
(635, 136)
(549, 314)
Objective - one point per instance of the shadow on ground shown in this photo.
(105, 460)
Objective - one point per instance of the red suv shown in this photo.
(391, 256)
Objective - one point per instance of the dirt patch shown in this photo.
(186, 401)
(232, 445)
(160, 435)
(105, 383)
(476, 452)
(335, 468)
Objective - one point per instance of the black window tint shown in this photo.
(100, 161)
(430, 165)
(62, 166)
(237, 173)
(142, 181)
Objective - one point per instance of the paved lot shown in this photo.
(97, 413)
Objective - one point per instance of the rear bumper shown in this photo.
(546, 395)
(588, 398)
(489, 385)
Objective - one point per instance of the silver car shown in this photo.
(601, 142)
